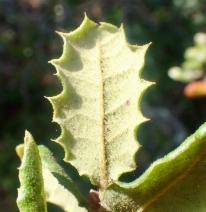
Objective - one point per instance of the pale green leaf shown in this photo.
(20, 150)
(98, 108)
(176, 182)
(59, 188)
(31, 193)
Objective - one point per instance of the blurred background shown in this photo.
(175, 61)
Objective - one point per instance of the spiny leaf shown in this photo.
(59, 188)
(173, 183)
(31, 193)
(98, 107)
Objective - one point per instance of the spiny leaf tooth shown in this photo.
(85, 27)
(143, 88)
(69, 54)
(60, 140)
(62, 34)
(55, 108)
(58, 103)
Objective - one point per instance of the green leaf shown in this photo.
(98, 107)
(31, 193)
(20, 150)
(173, 183)
(59, 188)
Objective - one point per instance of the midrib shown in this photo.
(103, 169)
(149, 202)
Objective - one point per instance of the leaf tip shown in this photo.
(53, 62)
(48, 98)
(28, 137)
(85, 15)
(63, 35)
(121, 26)
(53, 140)
(86, 20)
(150, 43)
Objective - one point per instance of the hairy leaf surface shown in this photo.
(59, 188)
(176, 182)
(98, 107)
(31, 193)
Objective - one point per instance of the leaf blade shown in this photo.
(179, 177)
(100, 72)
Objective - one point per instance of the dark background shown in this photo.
(28, 41)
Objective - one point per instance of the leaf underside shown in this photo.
(98, 108)
(176, 182)
(59, 188)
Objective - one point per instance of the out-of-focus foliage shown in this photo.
(193, 68)
(28, 40)
(195, 61)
